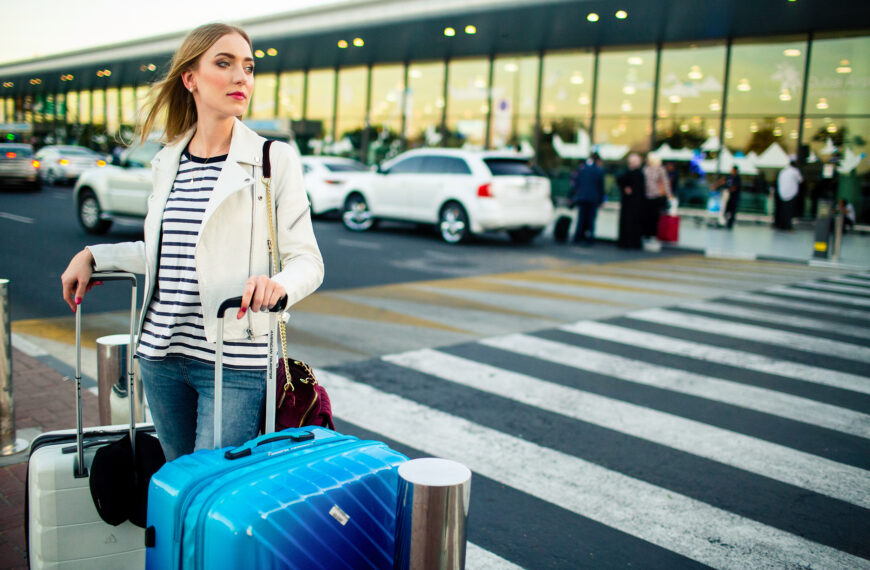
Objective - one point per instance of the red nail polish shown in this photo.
(78, 300)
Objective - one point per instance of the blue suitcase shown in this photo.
(300, 498)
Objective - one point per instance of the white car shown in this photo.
(461, 192)
(65, 163)
(327, 179)
(102, 194)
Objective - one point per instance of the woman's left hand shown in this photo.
(261, 294)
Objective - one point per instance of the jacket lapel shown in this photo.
(236, 173)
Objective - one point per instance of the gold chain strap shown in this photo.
(272, 243)
(282, 326)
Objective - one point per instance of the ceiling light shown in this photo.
(151, 67)
(792, 52)
(259, 53)
(777, 132)
(470, 30)
(844, 67)
(785, 95)
(626, 106)
(342, 44)
(674, 99)
(629, 90)
(577, 79)
(684, 128)
(822, 104)
(272, 52)
(715, 106)
(695, 73)
(583, 100)
(511, 68)
(592, 17)
(621, 15)
(358, 42)
(753, 128)
(832, 128)
(449, 32)
(635, 60)
(744, 85)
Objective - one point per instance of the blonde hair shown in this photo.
(653, 160)
(169, 94)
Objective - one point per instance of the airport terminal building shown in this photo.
(706, 84)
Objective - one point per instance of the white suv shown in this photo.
(462, 192)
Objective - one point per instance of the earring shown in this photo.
(190, 89)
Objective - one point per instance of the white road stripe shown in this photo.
(748, 360)
(477, 558)
(850, 281)
(778, 318)
(771, 460)
(799, 305)
(835, 288)
(670, 520)
(27, 347)
(16, 218)
(751, 332)
(820, 296)
(750, 397)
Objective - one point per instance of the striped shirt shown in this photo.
(174, 323)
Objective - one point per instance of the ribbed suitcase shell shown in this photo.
(64, 529)
(280, 507)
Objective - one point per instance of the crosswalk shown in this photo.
(728, 433)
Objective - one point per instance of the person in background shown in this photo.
(732, 185)
(588, 194)
(658, 190)
(848, 211)
(787, 185)
(632, 188)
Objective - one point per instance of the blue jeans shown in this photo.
(180, 393)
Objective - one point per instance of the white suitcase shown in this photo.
(62, 525)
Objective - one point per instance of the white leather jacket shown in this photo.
(232, 240)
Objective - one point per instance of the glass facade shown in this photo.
(263, 98)
(467, 103)
(756, 103)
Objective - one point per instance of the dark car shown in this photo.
(18, 166)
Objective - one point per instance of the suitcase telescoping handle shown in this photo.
(234, 303)
(104, 276)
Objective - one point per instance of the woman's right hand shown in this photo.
(76, 278)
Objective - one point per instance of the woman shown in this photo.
(205, 241)
(658, 190)
(632, 188)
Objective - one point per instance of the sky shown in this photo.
(37, 28)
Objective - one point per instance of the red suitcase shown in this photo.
(669, 228)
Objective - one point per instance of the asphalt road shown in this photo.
(40, 234)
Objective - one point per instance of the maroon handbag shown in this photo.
(301, 400)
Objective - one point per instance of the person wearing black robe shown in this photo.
(632, 188)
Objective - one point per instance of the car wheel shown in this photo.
(36, 185)
(50, 177)
(89, 214)
(524, 235)
(356, 214)
(453, 223)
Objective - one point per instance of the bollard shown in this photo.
(838, 235)
(9, 444)
(823, 230)
(431, 516)
(113, 392)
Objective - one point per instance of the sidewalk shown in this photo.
(43, 402)
(751, 238)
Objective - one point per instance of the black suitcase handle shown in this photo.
(235, 302)
(247, 450)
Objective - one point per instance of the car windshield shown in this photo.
(19, 150)
(345, 167)
(512, 167)
(142, 155)
(75, 151)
